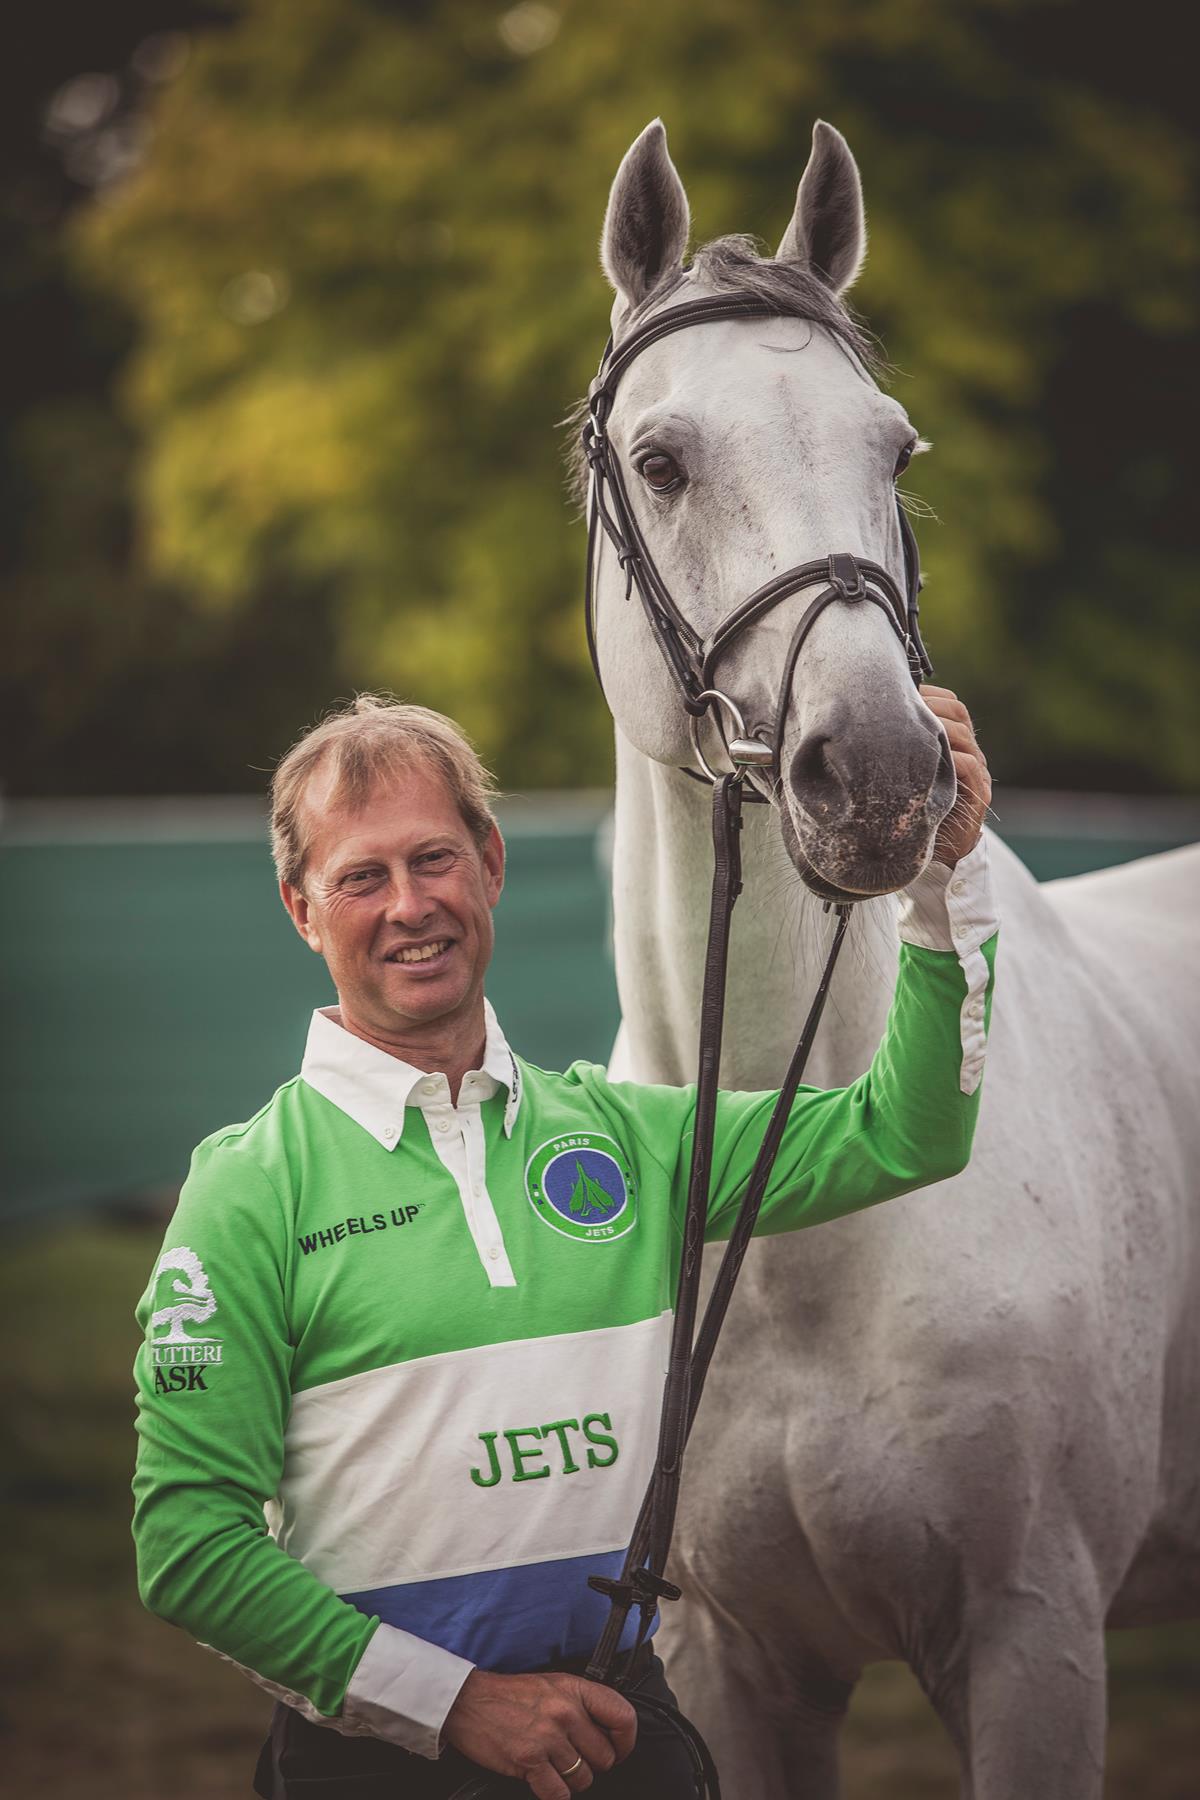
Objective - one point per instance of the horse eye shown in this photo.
(903, 460)
(660, 472)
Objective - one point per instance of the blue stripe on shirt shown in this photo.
(506, 1620)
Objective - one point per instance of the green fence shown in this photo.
(152, 989)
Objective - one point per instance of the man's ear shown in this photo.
(300, 913)
(493, 865)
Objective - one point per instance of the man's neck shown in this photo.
(445, 1047)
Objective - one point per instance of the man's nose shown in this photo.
(408, 903)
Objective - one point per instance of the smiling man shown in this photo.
(396, 890)
(405, 1342)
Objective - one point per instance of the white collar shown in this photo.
(375, 1089)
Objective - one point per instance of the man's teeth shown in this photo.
(423, 952)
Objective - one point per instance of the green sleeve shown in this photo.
(213, 1402)
(902, 1125)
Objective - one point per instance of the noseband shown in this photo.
(692, 659)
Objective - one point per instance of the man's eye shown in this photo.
(433, 858)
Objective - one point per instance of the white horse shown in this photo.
(960, 1429)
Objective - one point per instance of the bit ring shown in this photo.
(755, 753)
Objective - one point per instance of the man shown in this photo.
(418, 1307)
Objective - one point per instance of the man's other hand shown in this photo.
(534, 1727)
(959, 830)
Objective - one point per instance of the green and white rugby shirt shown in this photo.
(404, 1358)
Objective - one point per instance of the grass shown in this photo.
(98, 1697)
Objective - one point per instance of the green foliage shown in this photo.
(359, 259)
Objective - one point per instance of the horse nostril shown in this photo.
(817, 781)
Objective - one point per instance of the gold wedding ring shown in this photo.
(577, 1764)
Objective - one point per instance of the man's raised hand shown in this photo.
(960, 829)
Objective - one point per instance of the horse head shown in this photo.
(744, 447)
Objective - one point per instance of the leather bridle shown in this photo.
(691, 658)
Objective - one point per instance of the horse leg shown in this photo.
(770, 1720)
(813, 1727)
(1025, 1702)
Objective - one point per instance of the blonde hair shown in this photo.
(366, 739)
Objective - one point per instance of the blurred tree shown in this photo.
(357, 251)
(112, 680)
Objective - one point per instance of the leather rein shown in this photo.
(692, 661)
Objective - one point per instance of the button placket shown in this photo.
(470, 1189)
(477, 1207)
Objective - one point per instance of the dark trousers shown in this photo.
(301, 1761)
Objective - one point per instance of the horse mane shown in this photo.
(733, 265)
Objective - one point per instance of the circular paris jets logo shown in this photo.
(581, 1184)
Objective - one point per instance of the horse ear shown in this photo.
(647, 222)
(828, 230)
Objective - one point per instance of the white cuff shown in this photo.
(402, 1690)
(955, 909)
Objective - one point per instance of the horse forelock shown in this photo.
(733, 265)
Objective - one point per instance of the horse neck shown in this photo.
(662, 877)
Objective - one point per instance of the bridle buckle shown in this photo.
(595, 447)
(847, 577)
(599, 402)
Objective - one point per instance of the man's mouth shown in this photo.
(415, 954)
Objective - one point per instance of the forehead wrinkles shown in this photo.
(328, 794)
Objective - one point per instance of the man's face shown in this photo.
(398, 899)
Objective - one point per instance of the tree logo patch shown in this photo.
(581, 1184)
(182, 1357)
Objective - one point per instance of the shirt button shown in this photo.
(960, 931)
(389, 1132)
(494, 1252)
(958, 887)
(443, 1124)
(429, 1087)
